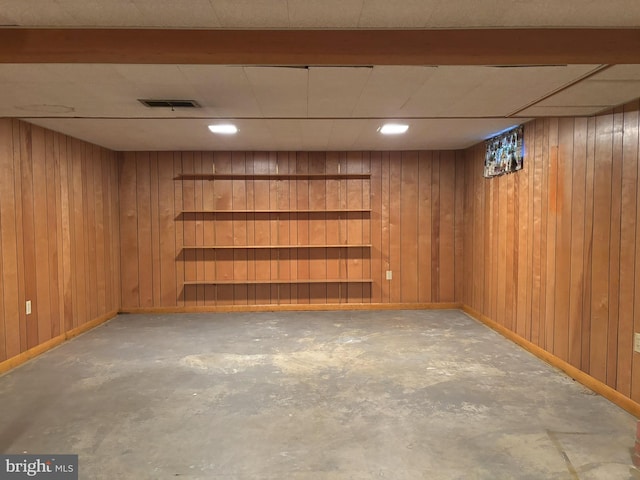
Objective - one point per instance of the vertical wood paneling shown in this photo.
(17, 180)
(562, 281)
(154, 202)
(239, 225)
(459, 227)
(506, 274)
(28, 231)
(376, 228)
(614, 251)
(98, 235)
(65, 192)
(628, 242)
(129, 234)
(574, 252)
(588, 248)
(40, 227)
(552, 223)
(52, 236)
(354, 228)
(89, 229)
(385, 246)
(9, 329)
(145, 254)
(317, 229)
(179, 229)
(199, 224)
(435, 227)
(332, 201)
(415, 198)
(395, 229)
(409, 228)
(446, 238)
(166, 229)
(601, 244)
(424, 227)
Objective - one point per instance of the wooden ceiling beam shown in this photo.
(321, 47)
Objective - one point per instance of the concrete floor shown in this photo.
(322, 395)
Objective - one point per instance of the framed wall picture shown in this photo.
(505, 153)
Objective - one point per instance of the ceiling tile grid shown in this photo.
(320, 13)
(308, 107)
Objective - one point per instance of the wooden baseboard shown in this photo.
(18, 360)
(299, 307)
(585, 379)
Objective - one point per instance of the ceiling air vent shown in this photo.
(161, 103)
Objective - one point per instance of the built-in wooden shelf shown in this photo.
(330, 210)
(278, 282)
(272, 247)
(268, 176)
(330, 214)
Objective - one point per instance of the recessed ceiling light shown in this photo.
(224, 128)
(393, 128)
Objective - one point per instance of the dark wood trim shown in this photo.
(321, 47)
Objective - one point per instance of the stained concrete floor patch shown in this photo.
(309, 395)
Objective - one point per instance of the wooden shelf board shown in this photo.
(274, 247)
(340, 210)
(278, 282)
(266, 176)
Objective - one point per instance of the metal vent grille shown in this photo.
(161, 103)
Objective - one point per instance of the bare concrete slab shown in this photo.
(310, 395)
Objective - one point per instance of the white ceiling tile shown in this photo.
(335, 91)
(280, 91)
(471, 91)
(453, 15)
(389, 88)
(346, 134)
(442, 88)
(251, 13)
(321, 13)
(540, 13)
(503, 91)
(224, 90)
(85, 13)
(39, 13)
(396, 13)
(619, 72)
(594, 93)
(315, 134)
(572, 13)
(159, 13)
(276, 135)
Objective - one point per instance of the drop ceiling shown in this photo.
(314, 107)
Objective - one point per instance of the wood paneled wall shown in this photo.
(414, 227)
(551, 252)
(59, 235)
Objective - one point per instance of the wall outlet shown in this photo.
(636, 342)
(28, 307)
(389, 275)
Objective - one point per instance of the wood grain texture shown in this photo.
(321, 47)
(575, 250)
(52, 236)
(392, 203)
